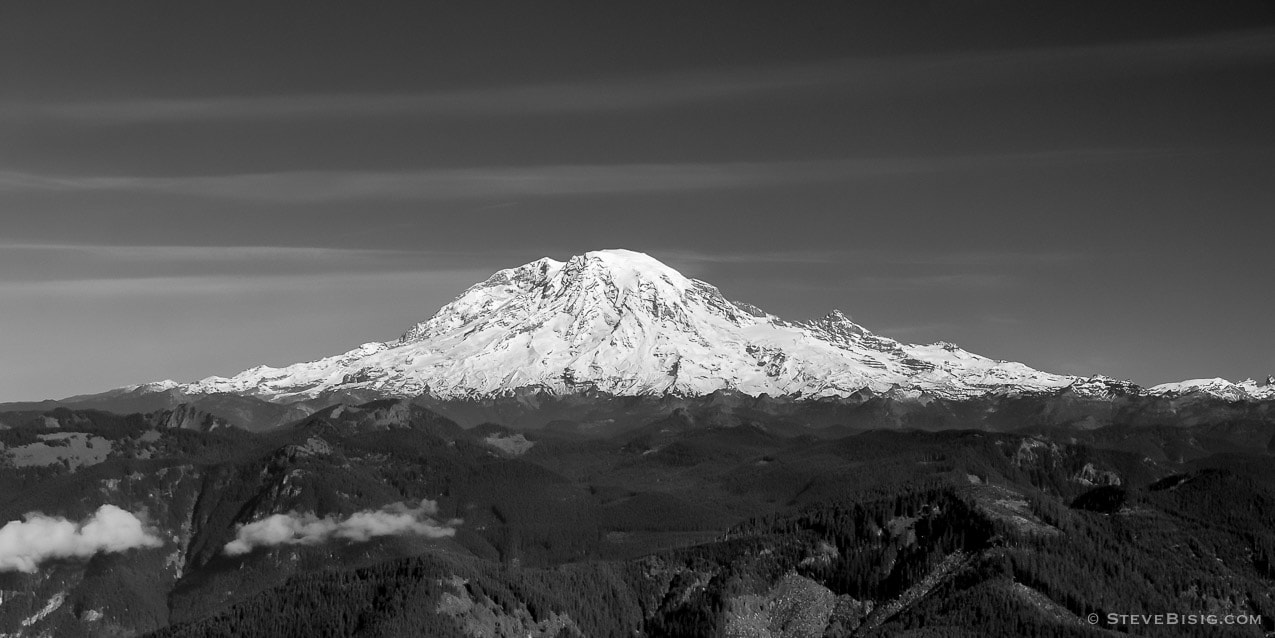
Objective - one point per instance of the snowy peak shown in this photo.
(1247, 390)
(485, 298)
(622, 322)
(623, 270)
(1103, 388)
(838, 327)
(618, 284)
(627, 284)
(611, 293)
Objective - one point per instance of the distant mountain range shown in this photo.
(622, 323)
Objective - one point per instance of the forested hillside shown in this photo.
(398, 522)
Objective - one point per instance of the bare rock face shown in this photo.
(187, 417)
(382, 415)
(795, 607)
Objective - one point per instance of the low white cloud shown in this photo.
(27, 543)
(293, 528)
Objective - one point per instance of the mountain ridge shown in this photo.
(623, 323)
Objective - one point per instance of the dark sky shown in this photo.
(192, 188)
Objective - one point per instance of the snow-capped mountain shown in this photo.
(1247, 390)
(624, 323)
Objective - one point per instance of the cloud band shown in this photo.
(293, 528)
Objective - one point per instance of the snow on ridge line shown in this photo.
(1218, 387)
(624, 323)
(1187, 384)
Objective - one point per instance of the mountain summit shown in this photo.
(621, 322)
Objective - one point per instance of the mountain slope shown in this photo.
(623, 323)
(1247, 390)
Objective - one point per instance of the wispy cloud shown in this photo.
(974, 258)
(865, 77)
(948, 281)
(200, 253)
(438, 184)
(38, 270)
(1004, 320)
(755, 257)
(910, 331)
(1171, 55)
(883, 257)
(933, 329)
(638, 93)
(504, 182)
(293, 528)
(206, 286)
(920, 282)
